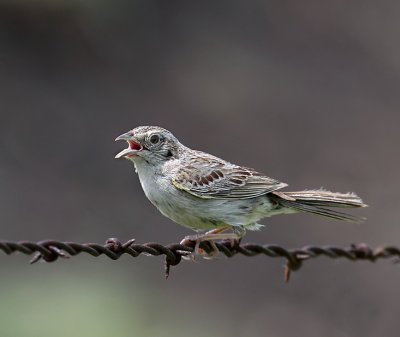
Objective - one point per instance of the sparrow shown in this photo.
(212, 196)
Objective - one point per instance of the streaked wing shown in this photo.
(208, 177)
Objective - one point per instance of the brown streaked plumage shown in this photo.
(204, 192)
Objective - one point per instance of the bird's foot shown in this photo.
(208, 251)
(212, 251)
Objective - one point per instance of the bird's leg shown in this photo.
(211, 236)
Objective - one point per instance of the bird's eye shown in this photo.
(154, 139)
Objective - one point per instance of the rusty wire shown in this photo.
(50, 251)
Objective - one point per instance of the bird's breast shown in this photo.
(197, 213)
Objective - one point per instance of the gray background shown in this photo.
(305, 91)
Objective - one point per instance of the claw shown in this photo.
(210, 237)
(198, 251)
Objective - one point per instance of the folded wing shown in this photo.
(209, 177)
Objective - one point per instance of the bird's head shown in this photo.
(150, 143)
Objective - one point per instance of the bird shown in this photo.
(217, 199)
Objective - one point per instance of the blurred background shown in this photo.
(305, 92)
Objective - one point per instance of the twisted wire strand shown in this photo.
(51, 250)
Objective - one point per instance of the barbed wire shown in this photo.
(50, 251)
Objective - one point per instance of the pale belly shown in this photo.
(204, 214)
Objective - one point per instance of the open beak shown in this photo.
(133, 148)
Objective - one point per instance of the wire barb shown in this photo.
(50, 251)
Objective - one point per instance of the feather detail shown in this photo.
(315, 201)
(326, 198)
(209, 177)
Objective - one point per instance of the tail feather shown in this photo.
(315, 201)
(327, 198)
